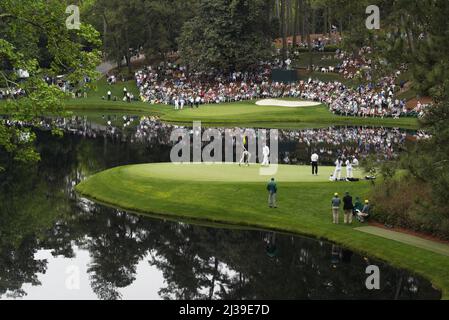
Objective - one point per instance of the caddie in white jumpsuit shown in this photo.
(266, 154)
(349, 169)
(338, 167)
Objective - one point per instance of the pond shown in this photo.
(55, 245)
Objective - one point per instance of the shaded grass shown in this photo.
(304, 59)
(304, 208)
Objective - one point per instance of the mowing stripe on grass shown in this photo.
(417, 242)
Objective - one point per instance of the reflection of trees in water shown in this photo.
(18, 266)
(40, 211)
(116, 244)
(31, 201)
(206, 263)
(296, 146)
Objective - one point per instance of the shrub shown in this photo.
(407, 203)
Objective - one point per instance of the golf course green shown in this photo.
(236, 196)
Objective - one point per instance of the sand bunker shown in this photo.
(287, 103)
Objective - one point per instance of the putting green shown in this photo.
(227, 173)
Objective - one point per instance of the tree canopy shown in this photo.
(227, 35)
(35, 39)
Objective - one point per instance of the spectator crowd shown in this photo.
(172, 86)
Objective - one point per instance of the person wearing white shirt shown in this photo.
(176, 104)
(197, 101)
(338, 167)
(182, 103)
(349, 169)
(266, 154)
(355, 162)
(315, 159)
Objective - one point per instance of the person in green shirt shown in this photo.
(272, 192)
(361, 211)
(358, 205)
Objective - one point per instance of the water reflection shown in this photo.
(295, 146)
(48, 236)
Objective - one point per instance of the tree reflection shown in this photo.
(208, 263)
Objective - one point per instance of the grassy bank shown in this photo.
(236, 196)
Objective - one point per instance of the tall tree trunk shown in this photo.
(105, 32)
(288, 18)
(308, 28)
(276, 8)
(409, 34)
(303, 20)
(127, 55)
(295, 26)
(313, 20)
(283, 32)
(325, 20)
(340, 29)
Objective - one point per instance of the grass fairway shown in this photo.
(229, 194)
(241, 114)
(248, 113)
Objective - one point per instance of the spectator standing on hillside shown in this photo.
(336, 203)
(348, 207)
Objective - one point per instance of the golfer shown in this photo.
(272, 192)
(246, 156)
(336, 202)
(315, 159)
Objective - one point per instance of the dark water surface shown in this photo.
(54, 245)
